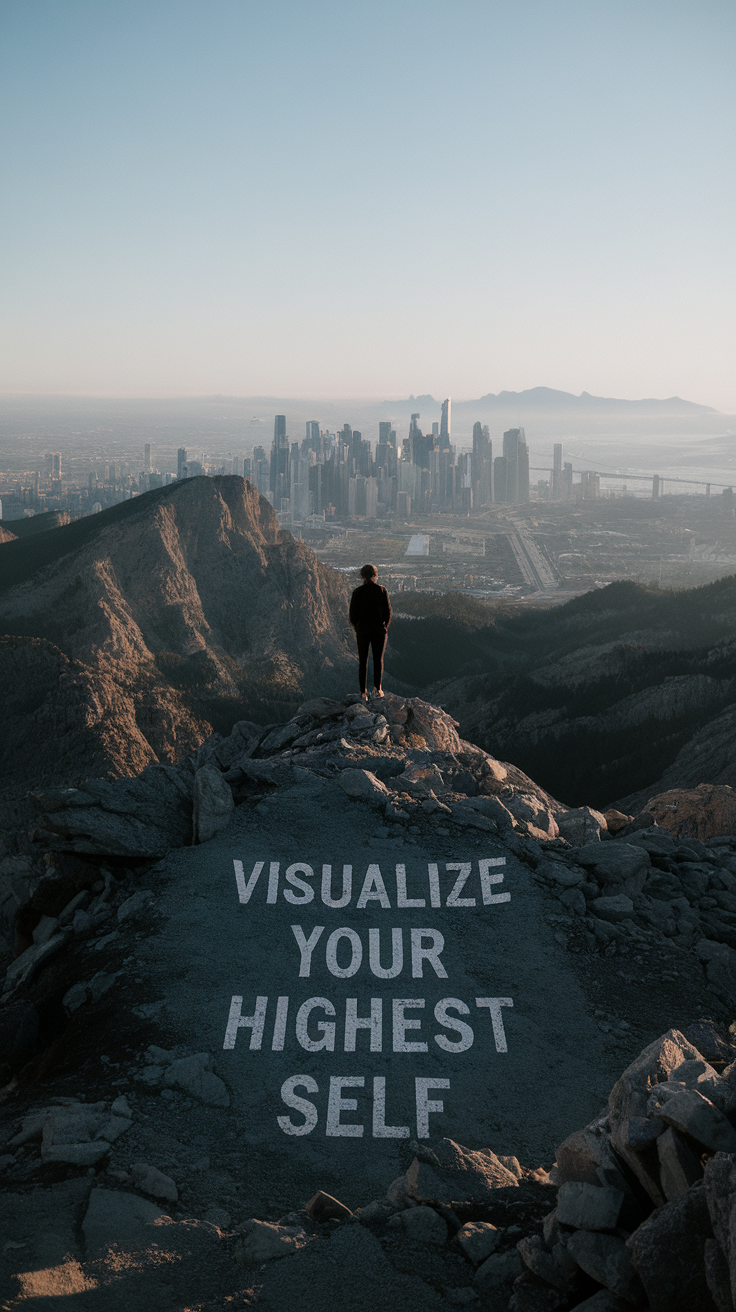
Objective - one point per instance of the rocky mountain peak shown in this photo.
(183, 606)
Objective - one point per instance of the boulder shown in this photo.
(212, 804)
(616, 908)
(719, 961)
(692, 1114)
(532, 815)
(530, 1294)
(581, 825)
(619, 867)
(587, 1156)
(323, 1207)
(448, 1173)
(118, 1219)
(422, 1225)
(667, 1251)
(702, 812)
(497, 1272)
(679, 1166)
(616, 820)
(555, 1268)
(605, 1259)
(152, 1181)
(633, 1125)
(720, 1194)
(263, 1242)
(478, 1239)
(588, 1206)
(195, 1076)
(364, 785)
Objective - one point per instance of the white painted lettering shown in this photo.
(245, 890)
(273, 883)
(426, 1105)
(380, 1129)
(254, 1023)
(292, 877)
(401, 1025)
(465, 1040)
(344, 972)
(347, 887)
(354, 1022)
(279, 1028)
(431, 954)
(434, 884)
(374, 954)
(487, 880)
(303, 1105)
(325, 1027)
(374, 889)
(401, 898)
(306, 947)
(336, 1104)
(494, 1006)
(454, 900)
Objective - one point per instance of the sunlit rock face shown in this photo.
(166, 613)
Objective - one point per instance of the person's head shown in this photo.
(369, 573)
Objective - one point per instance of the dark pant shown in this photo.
(375, 639)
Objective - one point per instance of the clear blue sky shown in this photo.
(305, 197)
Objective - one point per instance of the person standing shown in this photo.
(370, 616)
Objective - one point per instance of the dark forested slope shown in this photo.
(597, 699)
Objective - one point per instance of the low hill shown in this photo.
(180, 611)
(598, 699)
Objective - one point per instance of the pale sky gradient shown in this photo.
(332, 197)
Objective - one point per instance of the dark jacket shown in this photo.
(370, 608)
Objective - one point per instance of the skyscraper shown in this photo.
(181, 462)
(482, 466)
(147, 458)
(280, 463)
(445, 425)
(516, 455)
(556, 488)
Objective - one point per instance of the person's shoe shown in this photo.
(377, 692)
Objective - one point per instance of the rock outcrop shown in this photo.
(635, 1212)
(183, 605)
(399, 754)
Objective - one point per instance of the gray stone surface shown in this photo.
(423, 1225)
(588, 1207)
(195, 1075)
(364, 785)
(451, 1174)
(605, 1258)
(581, 825)
(679, 1166)
(619, 867)
(615, 908)
(667, 1251)
(346, 1273)
(153, 1182)
(498, 1272)
(114, 1218)
(264, 1242)
(693, 1114)
(212, 803)
(478, 1239)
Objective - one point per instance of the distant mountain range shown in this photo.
(549, 399)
